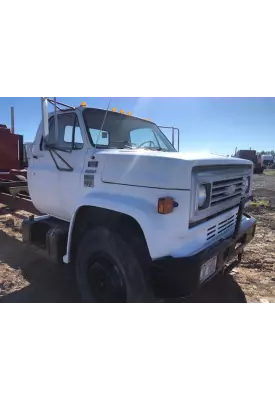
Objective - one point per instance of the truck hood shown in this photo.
(154, 169)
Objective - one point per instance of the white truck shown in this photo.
(266, 160)
(139, 220)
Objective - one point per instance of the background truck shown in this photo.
(251, 155)
(266, 160)
(137, 219)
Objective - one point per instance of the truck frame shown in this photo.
(137, 219)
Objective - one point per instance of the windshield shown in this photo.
(121, 131)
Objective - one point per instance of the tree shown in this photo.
(272, 152)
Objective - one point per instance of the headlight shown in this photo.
(246, 184)
(202, 196)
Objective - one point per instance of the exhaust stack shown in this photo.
(12, 120)
(44, 109)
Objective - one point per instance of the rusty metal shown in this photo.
(19, 202)
(14, 191)
(10, 150)
(5, 184)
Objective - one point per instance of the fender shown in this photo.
(143, 211)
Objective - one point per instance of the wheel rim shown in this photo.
(106, 281)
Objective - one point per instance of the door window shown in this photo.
(68, 135)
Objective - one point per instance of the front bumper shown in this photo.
(179, 277)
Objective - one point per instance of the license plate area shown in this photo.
(208, 268)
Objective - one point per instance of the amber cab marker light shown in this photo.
(166, 205)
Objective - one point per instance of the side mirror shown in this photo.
(48, 146)
(28, 149)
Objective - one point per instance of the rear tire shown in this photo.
(108, 270)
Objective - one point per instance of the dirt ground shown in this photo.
(26, 275)
(264, 186)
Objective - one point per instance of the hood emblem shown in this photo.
(230, 190)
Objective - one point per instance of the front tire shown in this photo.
(108, 270)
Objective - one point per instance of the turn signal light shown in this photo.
(166, 205)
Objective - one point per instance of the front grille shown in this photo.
(226, 190)
(225, 187)
(222, 228)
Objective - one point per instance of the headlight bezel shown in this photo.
(207, 188)
(247, 188)
(202, 196)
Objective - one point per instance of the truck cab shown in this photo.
(138, 219)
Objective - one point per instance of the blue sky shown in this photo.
(215, 124)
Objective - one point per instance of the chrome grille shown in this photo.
(221, 228)
(226, 189)
(225, 186)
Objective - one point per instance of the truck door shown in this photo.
(170, 132)
(42, 177)
(68, 157)
(54, 173)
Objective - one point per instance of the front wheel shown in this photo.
(108, 270)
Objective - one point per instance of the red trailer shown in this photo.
(13, 175)
(11, 154)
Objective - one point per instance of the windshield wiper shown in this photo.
(154, 148)
(126, 145)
